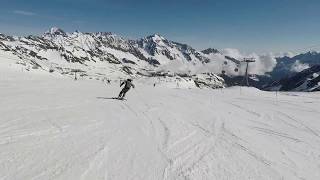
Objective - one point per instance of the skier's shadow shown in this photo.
(112, 98)
(107, 98)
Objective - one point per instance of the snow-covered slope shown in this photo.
(57, 128)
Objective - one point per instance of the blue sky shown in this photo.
(248, 25)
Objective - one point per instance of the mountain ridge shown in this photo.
(100, 55)
(60, 51)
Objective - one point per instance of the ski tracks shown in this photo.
(97, 168)
(166, 134)
(186, 155)
(299, 123)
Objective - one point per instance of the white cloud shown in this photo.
(288, 54)
(235, 53)
(264, 63)
(24, 13)
(298, 66)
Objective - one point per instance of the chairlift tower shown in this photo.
(75, 73)
(247, 61)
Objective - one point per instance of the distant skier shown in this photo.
(127, 85)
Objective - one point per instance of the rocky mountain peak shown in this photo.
(54, 31)
(156, 38)
(210, 51)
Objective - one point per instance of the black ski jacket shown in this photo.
(127, 84)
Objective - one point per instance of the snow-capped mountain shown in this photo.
(286, 71)
(54, 32)
(306, 80)
(164, 51)
(103, 55)
(210, 51)
(107, 55)
(289, 66)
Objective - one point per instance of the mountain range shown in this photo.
(105, 55)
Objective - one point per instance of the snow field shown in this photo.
(56, 128)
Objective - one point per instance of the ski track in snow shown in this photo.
(61, 129)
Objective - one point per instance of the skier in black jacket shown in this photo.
(127, 85)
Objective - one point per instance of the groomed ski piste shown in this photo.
(52, 127)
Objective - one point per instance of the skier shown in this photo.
(127, 85)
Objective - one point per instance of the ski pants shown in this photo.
(123, 92)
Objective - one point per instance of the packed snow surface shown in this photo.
(57, 128)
